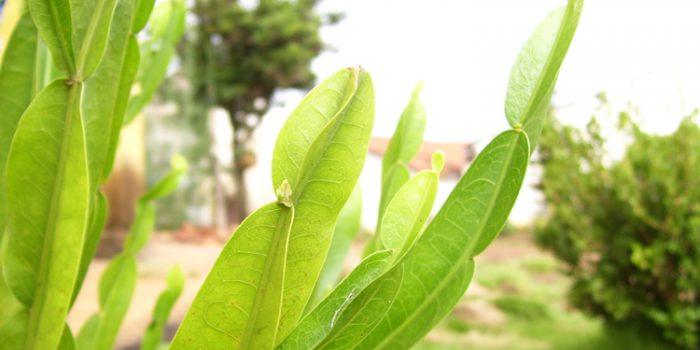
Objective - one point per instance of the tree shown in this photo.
(243, 54)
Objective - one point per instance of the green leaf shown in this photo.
(116, 288)
(364, 312)
(161, 312)
(396, 177)
(314, 327)
(408, 211)
(167, 22)
(403, 146)
(107, 93)
(324, 181)
(408, 136)
(53, 21)
(86, 336)
(229, 308)
(242, 304)
(142, 227)
(17, 80)
(438, 267)
(535, 71)
(346, 228)
(9, 306)
(143, 12)
(91, 20)
(118, 281)
(98, 219)
(48, 195)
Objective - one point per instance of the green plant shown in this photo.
(67, 72)
(166, 300)
(254, 297)
(634, 256)
(118, 280)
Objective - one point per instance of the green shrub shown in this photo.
(628, 229)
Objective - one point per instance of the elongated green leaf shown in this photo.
(118, 281)
(346, 228)
(161, 312)
(116, 288)
(53, 20)
(324, 182)
(98, 219)
(314, 327)
(364, 312)
(168, 22)
(408, 211)
(403, 146)
(397, 175)
(91, 20)
(225, 305)
(142, 228)
(143, 12)
(107, 92)
(408, 136)
(17, 79)
(437, 269)
(315, 168)
(536, 69)
(9, 306)
(48, 195)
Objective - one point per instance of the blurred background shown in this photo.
(603, 247)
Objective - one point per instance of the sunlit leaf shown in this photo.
(346, 228)
(48, 196)
(314, 327)
(535, 71)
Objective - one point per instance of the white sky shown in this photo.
(645, 52)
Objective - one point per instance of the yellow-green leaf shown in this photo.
(535, 71)
(48, 196)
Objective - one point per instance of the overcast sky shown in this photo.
(644, 52)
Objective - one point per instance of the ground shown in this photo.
(517, 300)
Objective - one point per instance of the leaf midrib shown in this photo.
(49, 232)
(466, 254)
(282, 231)
(334, 123)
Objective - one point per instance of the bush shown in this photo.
(628, 229)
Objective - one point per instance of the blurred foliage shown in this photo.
(627, 229)
(242, 53)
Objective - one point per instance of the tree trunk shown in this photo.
(238, 203)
